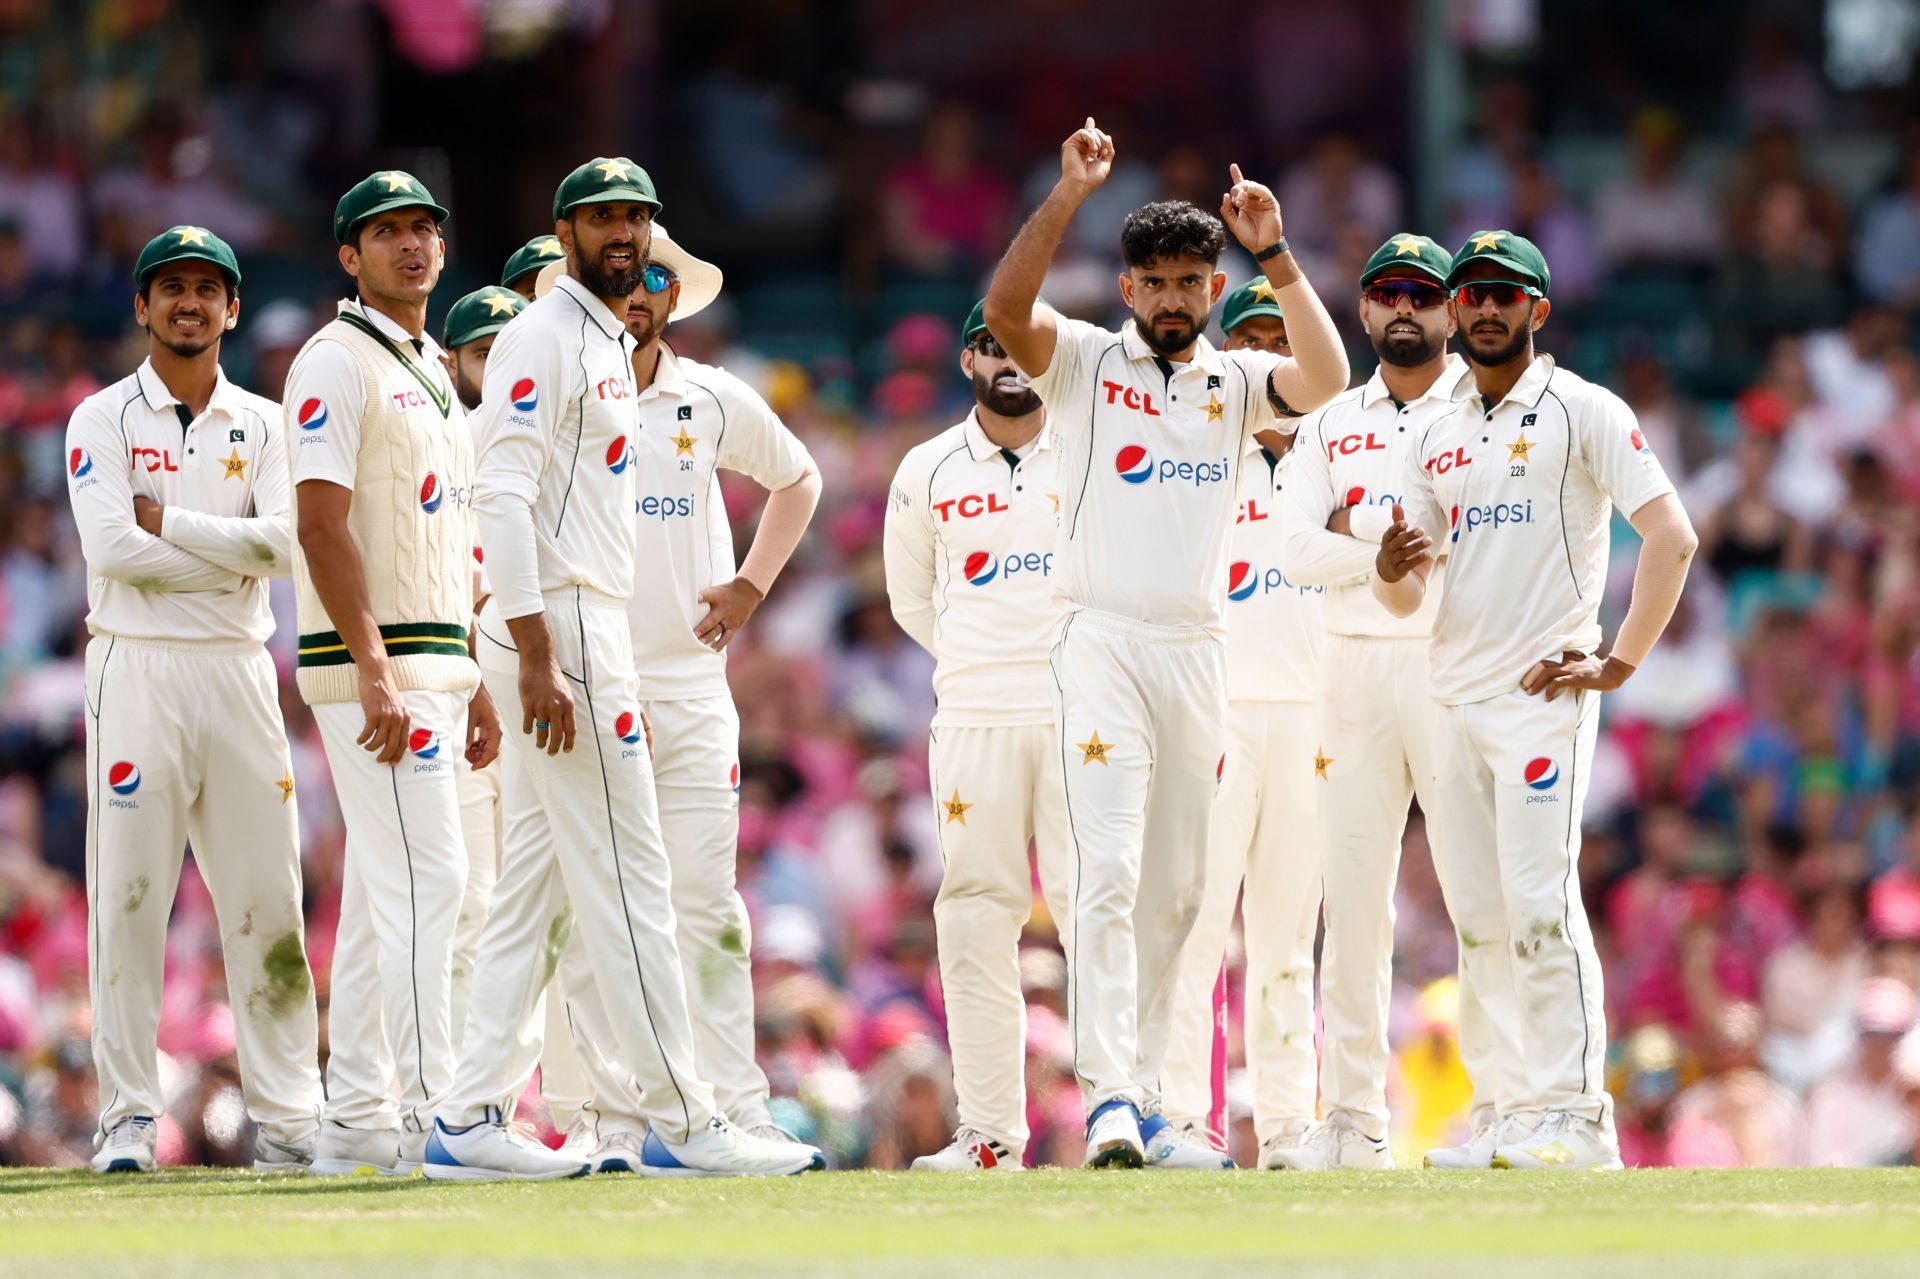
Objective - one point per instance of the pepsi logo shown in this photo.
(1220, 769)
(981, 568)
(1542, 773)
(525, 395)
(1453, 523)
(733, 777)
(628, 727)
(430, 494)
(1639, 441)
(1356, 496)
(312, 415)
(124, 778)
(618, 455)
(424, 742)
(79, 463)
(479, 556)
(1134, 464)
(1241, 580)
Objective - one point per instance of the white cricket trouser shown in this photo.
(1141, 721)
(696, 752)
(480, 825)
(1514, 772)
(185, 742)
(994, 791)
(1378, 735)
(591, 852)
(406, 867)
(1263, 831)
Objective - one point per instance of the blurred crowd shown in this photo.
(1749, 280)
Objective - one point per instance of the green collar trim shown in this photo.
(442, 400)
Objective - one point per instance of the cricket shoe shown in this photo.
(1113, 1136)
(1333, 1146)
(774, 1132)
(1563, 1141)
(1179, 1148)
(270, 1154)
(721, 1150)
(129, 1147)
(1476, 1153)
(620, 1149)
(1276, 1150)
(413, 1154)
(493, 1151)
(970, 1151)
(340, 1151)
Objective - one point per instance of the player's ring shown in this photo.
(541, 723)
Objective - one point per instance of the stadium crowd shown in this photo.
(1752, 856)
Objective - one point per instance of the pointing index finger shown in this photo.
(1233, 171)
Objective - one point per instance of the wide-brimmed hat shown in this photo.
(700, 280)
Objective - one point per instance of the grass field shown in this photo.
(1050, 1223)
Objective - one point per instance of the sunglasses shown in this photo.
(989, 347)
(1419, 292)
(1502, 292)
(657, 279)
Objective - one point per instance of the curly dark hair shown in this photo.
(1171, 229)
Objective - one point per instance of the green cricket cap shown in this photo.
(181, 244)
(481, 313)
(1254, 298)
(379, 193)
(1514, 252)
(604, 180)
(531, 256)
(1408, 254)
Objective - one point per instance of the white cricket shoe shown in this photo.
(340, 1151)
(581, 1139)
(1113, 1136)
(1476, 1153)
(970, 1151)
(619, 1149)
(1277, 1149)
(270, 1154)
(493, 1151)
(1180, 1148)
(1333, 1146)
(413, 1154)
(1563, 1141)
(774, 1132)
(129, 1147)
(721, 1150)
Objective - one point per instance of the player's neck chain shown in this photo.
(442, 400)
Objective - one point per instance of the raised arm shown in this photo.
(1317, 369)
(100, 487)
(1013, 313)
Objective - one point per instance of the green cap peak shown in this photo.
(379, 193)
(182, 244)
(604, 180)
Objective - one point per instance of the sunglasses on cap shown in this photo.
(1503, 292)
(1419, 292)
(657, 278)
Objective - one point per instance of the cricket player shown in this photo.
(467, 337)
(1150, 428)
(1520, 476)
(557, 495)
(1377, 723)
(972, 519)
(382, 473)
(1263, 816)
(523, 268)
(689, 603)
(179, 489)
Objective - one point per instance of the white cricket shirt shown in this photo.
(1273, 622)
(1353, 453)
(970, 537)
(1518, 498)
(222, 478)
(695, 419)
(1149, 466)
(555, 441)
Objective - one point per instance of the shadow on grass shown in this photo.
(197, 1183)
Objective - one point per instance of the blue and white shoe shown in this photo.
(1113, 1136)
(1179, 1148)
(129, 1147)
(721, 1150)
(492, 1151)
(619, 1150)
(774, 1132)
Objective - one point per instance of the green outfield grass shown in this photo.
(1806, 1223)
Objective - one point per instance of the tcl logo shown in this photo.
(1447, 461)
(404, 400)
(1137, 400)
(1250, 512)
(972, 506)
(613, 388)
(1348, 445)
(154, 460)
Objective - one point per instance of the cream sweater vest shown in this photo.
(412, 523)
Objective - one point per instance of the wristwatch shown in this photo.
(1273, 250)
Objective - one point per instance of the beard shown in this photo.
(604, 282)
(648, 330)
(1406, 350)
(467, 390)
(1005, 403)
(185, 347)
(1506, 352)
(1173, 341)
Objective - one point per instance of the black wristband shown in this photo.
(1273, 250)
